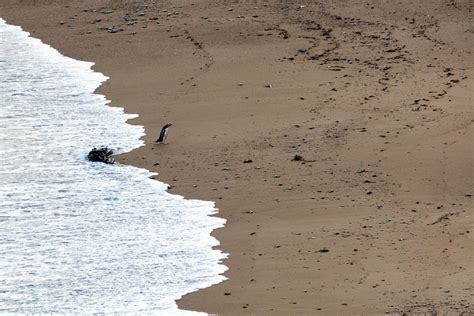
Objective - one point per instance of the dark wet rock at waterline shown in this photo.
(101, 155)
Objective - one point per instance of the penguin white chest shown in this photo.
(165, 134)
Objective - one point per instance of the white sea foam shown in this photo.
(80, 237)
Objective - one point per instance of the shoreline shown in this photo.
(377, 104)
(203, 212)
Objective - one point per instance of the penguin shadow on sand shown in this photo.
(163, 134)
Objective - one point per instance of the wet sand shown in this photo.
(376, 98)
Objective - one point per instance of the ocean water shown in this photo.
(81, 237)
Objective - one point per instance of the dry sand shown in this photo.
(376, 96)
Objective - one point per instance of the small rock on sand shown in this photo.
(297, 158)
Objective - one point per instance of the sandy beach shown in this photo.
(336, 138)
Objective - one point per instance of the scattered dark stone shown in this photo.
(324, 250)
(284, 34)
(101, 155)
(248, 161)
(297, 158)
(227, 293)
(114, 30)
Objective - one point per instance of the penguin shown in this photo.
(164, 133)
